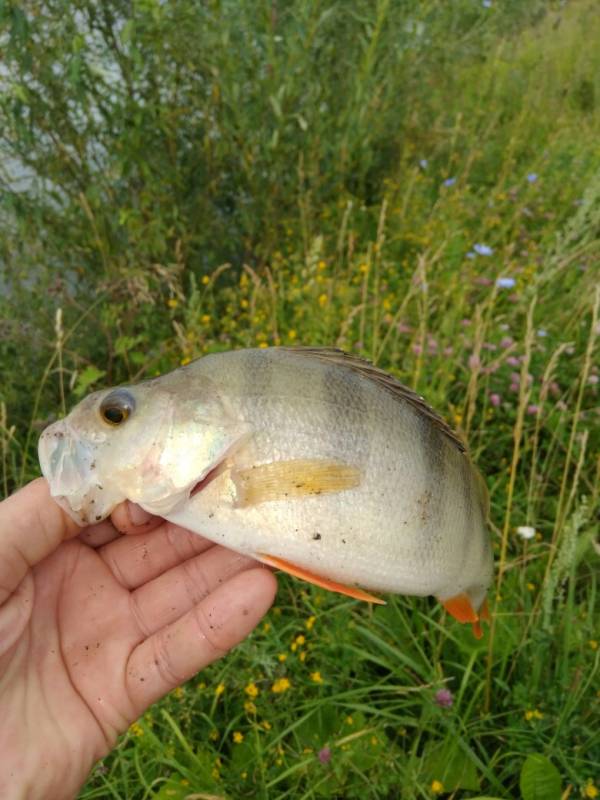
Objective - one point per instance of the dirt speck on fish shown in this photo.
(258, 449)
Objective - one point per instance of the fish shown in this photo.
(308, 459)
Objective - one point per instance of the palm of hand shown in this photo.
(93, 636)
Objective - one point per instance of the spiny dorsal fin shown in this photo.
(332, 355)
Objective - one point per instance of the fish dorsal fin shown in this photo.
(332, 355)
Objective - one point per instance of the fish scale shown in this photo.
(353, 479)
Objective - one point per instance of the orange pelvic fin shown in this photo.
(325, 583)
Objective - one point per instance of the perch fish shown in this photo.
(307, 459)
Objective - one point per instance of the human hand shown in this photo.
(96, 625)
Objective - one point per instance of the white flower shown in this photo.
(505, 283)
(526, 532)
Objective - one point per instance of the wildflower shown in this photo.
(316, 677)
(172, 302)
(526, 532)
(282, 657)
(302, 656)
(310, 622)
(251, 690)
(423, 163)
(238, 737)
(266, 627)
(205, 319)
(349, 721)
(178, 692)
(486, 3)
(495, 400)
(249, 707)
(593, 380)
(220, 689)
(322, 300)
(363, 268)
(444, 698)
(185, 361)
(532, 409)
(266, 724)
(483, 249)
(324, 755)
(292, 334)
(300, 640)
(449, 182)
(281, 685)
(506, 342)
(136, 729)
(244, 303)
(437, 787)
(542, 332)
(205, 280)
(465, 323)
(531, 587)
(532, 177)
(470, 254)
(263, 345)
(213, 735)
(533, 714)
(513, 361)
(474, 361)
(402, 327)
(589, 789)
(593, 644)
(505, 283)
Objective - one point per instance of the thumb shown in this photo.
(32, 526)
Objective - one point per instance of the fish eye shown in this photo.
(116, 407)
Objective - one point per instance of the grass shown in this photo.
(442, 220)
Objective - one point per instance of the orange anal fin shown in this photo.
(324, 583)
(460, 608)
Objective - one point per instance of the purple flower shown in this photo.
(474, 361)
(513, 361)
(402, 327)
(593, 380)
(532, 177)
(465, 323)
(505, 283)
(483, 281)
(417, 349)
(443, 698)
(506, 342)
(449, 181)
(325, 755)
(495, 400)
(470, 254)
(483, 250)
(532, 409)
(514, 387)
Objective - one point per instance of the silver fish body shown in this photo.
(401, 508)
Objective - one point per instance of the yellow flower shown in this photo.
(252, 690)
(205, 279)
(263, 345)
(136, 729)
(282, 657)
(316, 677)
(590, 790)
(220, 689)
(531, 586)
(213, 735)
(238, 737)
(437, 787)
(363, 268)
(349, 721)
(205, 319)
(184, 782)
(244, 302)
(321, 264)
(310, 622)
(300, 640)
(593, 644)
(266, 627)
(201, 685)
(266, 724)
(172, 302)
(302, 656)
(178, 692)
(249, 707)
(244, 775)
(322, 300)
(185, 361)
(533, 714)
(293, 647)
(281, 685)
(292, 334)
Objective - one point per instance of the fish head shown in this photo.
(150, 443)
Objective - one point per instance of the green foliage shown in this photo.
(179, 178)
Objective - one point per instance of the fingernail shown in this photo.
(138, 516)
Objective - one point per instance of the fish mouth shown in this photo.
(68, 464)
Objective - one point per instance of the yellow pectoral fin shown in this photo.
(280, 480)
(324, 583)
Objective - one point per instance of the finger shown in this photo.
(100, 534)
(207, 632)
(135, 560)
(32, 526)
(174, 593)
(128, 517)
